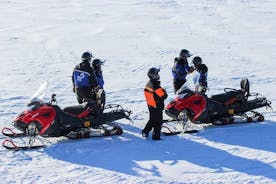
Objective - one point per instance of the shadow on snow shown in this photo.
(121, 154)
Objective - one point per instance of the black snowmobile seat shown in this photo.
(232, 95)
(76, 109)
(228, 98)
(84, 110)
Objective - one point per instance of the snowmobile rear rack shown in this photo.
(118, 107)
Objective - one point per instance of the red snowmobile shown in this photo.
(218, 109)
(49, 120)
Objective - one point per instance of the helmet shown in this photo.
(86, 56)
(197, 61)
(153, 74)
(184, 53)
(97, 63)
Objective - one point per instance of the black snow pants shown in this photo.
(155, 122)
(177, 84)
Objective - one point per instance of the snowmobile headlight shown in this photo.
(32, 128)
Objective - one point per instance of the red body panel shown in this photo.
(196, 103)
(44, 115)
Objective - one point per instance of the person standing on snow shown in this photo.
(201, 81)
(97, 63)
(155, 96)
(180, 69)
(85, 84)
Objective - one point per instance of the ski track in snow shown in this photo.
(44, 40)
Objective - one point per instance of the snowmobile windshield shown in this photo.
(184, 91)
(37, 98)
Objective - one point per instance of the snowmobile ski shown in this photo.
(10, 133)
(10, 145)
(179, 132)
(83, 133)
(170, 132)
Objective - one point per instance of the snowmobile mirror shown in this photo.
(53, 99)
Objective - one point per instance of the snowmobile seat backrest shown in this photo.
(245, 86)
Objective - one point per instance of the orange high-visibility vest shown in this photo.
(149, 95)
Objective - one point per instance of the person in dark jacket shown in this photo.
(201, 84)
(84, 80)
(155, 96)
(97, 63)
(180, 69)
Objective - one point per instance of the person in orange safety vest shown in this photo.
(155, 96)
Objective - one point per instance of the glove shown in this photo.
(96, 89)
(74, 90)
(202, 88)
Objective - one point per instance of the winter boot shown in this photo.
(156, 136)
(144, 133)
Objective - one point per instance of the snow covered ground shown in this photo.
(43, 40)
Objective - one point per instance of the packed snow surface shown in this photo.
(43, 40)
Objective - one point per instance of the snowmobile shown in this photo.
(74, 122)
(220, 109)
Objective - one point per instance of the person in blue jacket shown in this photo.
(96, 64)
(180, 69)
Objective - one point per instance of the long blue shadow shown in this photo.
(121, 154)
(256, 135)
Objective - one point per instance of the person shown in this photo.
(155, 96)
(85, 84)
(97, 63)
(98, 71)
(201, 85)
(180, 69)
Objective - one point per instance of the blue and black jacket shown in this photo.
(84, 79)
(99, 78)
(180, 69)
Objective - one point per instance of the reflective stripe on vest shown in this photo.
(160, 92)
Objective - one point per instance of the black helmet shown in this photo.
(86, 55)
(197, 61)
(97, 63)
(184, 53)
(153, 74)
